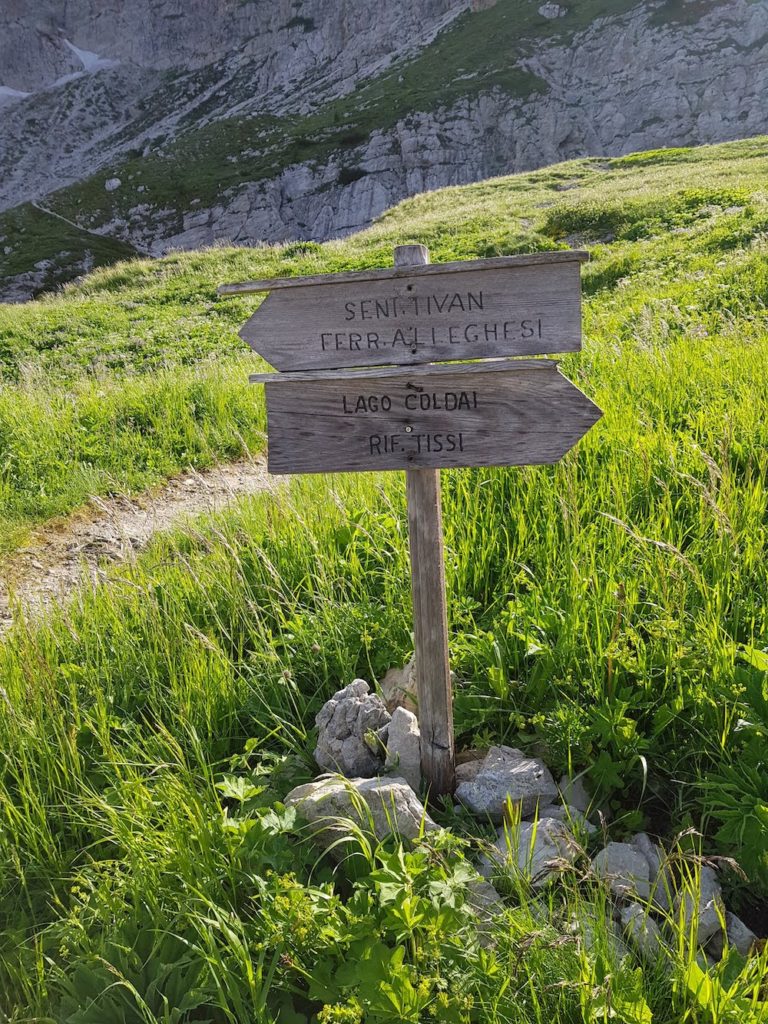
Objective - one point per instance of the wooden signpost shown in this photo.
(368, 385)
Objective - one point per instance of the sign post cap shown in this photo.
(411, 255)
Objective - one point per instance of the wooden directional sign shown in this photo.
(497, 413)
(508, 306)
(415, 410)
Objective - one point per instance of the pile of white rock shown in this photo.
(371, 752)
(359, 738)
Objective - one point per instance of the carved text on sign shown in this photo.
(416, 338)
(504, 412)
(356, 405)
(522, 305)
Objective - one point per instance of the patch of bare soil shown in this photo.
(65, 552)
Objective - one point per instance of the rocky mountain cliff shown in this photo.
(145, 125)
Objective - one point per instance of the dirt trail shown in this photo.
(63, 553)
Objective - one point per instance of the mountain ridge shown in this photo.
(182, 159)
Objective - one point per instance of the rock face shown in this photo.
(383, 806)
(345, 726)
(507, 775)
(45, 41)
(89, 84)
(87, 87)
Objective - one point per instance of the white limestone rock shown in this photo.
(625, 869)
(536, 850)
(505, 775)
(552, 11)
(345, 724)
(404, 747)
(112, 184)
(660, 878)
(588, 927)
(706, 906)
(643, 932)
(398, 687)
(487, 905)
(382, 806)
(483, 898)
(570, 815)
(738, 935)
(574, 793)
(470, 764)
(8, 95)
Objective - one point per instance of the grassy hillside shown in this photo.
(609, 613)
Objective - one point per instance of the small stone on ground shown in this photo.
(550, 11)
(574, 793)
(643, 932)
(398, 687)
(486, 904)
(507, 776)
(384, 806)
(625, 869)
(659, 874)
(740, 937)
(706, 906)
(570, 815)
(537, 850)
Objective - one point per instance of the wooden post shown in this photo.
(430, 616)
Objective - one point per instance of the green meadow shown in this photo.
(608, 614)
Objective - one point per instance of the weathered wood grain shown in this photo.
(271, 284)
(485, 414)
(430, 613)
(421, 370)
(474, 310)
(430, 630)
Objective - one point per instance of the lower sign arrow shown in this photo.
(497, 413)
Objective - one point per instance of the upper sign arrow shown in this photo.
(508, 306)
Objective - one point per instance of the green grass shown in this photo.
(103, 436)
(608, 613)
(682, 12)
(34, 237)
